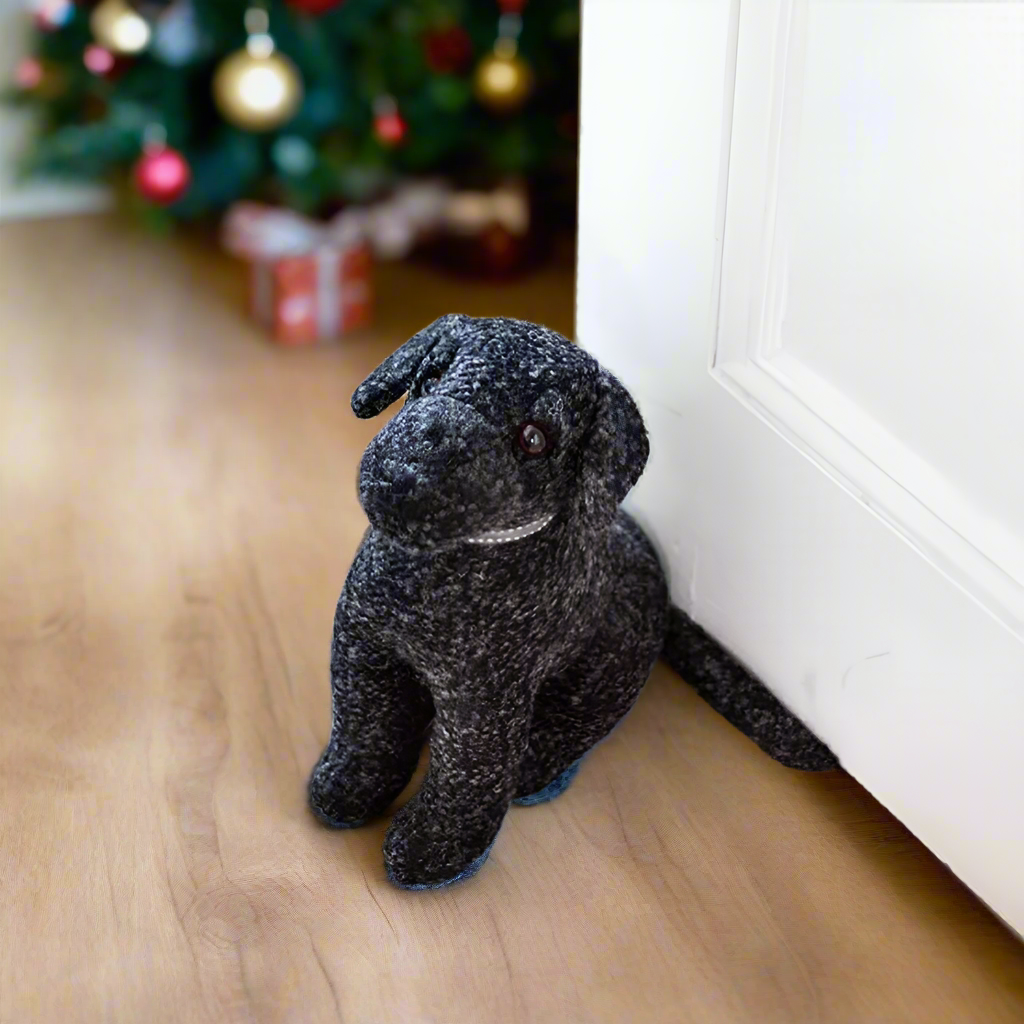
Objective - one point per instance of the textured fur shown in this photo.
(522, 655)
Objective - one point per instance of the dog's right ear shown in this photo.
(615, 450)
(392, 378)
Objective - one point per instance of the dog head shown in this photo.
(506, 426)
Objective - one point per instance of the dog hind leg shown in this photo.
(577, 709)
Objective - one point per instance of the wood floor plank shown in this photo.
(178, 510)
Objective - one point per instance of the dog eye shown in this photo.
(532, 439)
(429, 383)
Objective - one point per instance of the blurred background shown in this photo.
(312, 141)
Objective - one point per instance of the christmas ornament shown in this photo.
(162, 174)
(314, 7)
(388, 124)
(50, 15)
(503, 80)
(28, 74)
(390, 129)
(118, 28)
(98, 60)
(448, 50)
(256, 88)
(176, 37)
(293, 155)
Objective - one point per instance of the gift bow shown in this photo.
(257, 232)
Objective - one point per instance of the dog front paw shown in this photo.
(425, 851)
(346, 792)
(330, 801)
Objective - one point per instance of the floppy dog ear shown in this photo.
(615, 450)
(392, 378)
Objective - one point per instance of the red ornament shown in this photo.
(162, 175)
(511, 6)
(390, 128)
(448, 50)
(28, 73)
(314, 7)
(99, 60)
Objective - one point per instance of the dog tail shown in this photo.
(740, 698)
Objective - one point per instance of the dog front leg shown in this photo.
(446, 831)
(381, 712)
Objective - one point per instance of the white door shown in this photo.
(802, 246)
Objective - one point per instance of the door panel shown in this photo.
(871, 288)
(908, 221)
(828, 216)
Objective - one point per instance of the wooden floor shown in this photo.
(178, 512)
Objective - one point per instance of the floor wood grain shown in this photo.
(178, 511)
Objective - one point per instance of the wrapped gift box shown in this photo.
(309, 282)
(319, 296)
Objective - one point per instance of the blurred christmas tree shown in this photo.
(193, 104)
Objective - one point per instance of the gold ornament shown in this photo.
(503, 81)
(257, 89)
(118, 28)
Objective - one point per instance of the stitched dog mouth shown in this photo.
(512, 533)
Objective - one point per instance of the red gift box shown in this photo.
(309, 282)
(303, 299)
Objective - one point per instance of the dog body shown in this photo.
(500, 597)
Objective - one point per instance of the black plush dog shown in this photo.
(500, 592)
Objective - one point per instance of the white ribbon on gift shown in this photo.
(331, 294)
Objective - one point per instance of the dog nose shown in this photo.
(434, 433)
